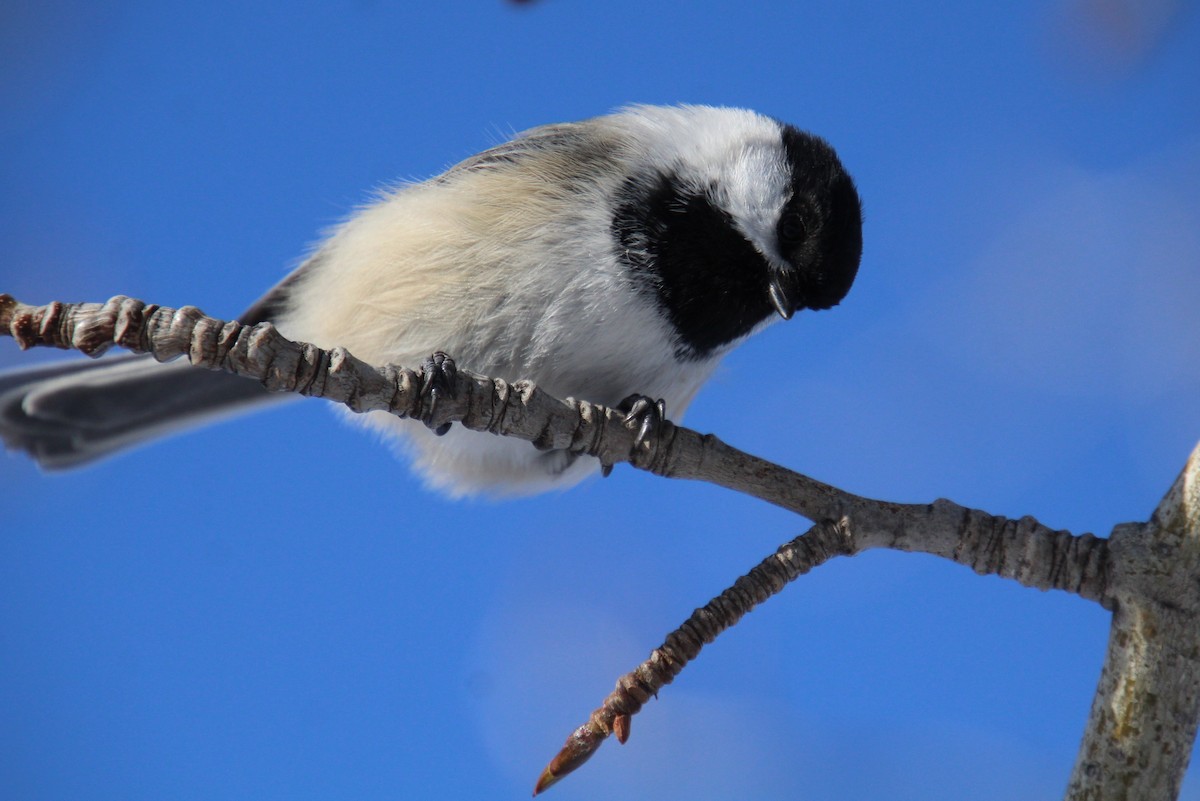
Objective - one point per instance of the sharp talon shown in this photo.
(649, 425)
(649, 412)
(440, 374)
(606, 470)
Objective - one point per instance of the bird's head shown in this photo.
(737, 219)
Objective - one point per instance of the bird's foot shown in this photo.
(647, 415)
(439, 373)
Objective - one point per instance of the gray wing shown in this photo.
(593, 145)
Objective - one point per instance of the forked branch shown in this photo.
(1148, 702)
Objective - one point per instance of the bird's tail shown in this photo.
(66, 415)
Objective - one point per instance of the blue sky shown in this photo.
(275, 608)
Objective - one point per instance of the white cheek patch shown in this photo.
(760, 188)
(736, 153)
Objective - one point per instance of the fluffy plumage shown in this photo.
(619, 255)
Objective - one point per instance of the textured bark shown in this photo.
(1143, 720)
(1144, 716)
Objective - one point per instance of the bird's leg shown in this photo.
(439, 373)
(647, 415)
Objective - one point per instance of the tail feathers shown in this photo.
(66, 415)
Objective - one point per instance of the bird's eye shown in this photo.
(792, 229)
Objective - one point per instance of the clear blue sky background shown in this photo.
(275, 608)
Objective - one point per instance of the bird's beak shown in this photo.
(779, 297)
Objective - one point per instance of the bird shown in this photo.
(615, 259)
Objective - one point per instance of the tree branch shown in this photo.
(1146, 708)
(1143, 720)
(1023, 550)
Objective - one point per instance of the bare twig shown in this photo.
(816, 546)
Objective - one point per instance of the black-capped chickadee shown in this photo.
(623, 255)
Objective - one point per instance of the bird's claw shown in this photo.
(440, 373)
(647, 415)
